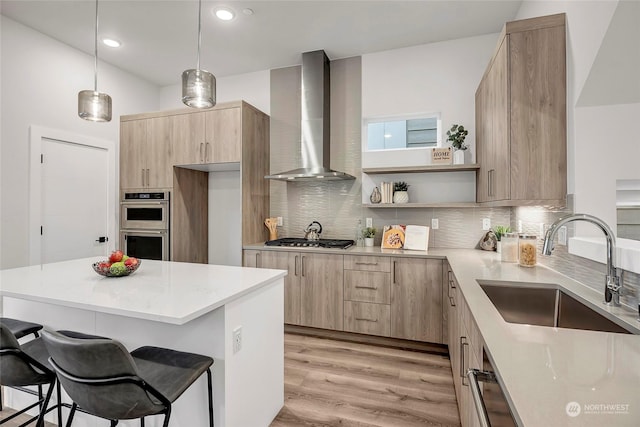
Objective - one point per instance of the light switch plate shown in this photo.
(486, 224)
(279, 221)
(435, 224)
(562, 236)
(369, 222)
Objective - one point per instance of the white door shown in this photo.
(75, 202)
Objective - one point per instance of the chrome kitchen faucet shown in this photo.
(613, 282)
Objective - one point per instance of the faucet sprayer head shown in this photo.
(548, 245)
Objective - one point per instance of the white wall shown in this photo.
(251, 87)
(41, 78)
(599, 147)
(436, 77)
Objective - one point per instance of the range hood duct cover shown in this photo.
(315, 135)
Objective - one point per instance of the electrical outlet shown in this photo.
(279, 222)
(562, 236)
(486, 223)
(369, 222)
(519, 226)
(435, 224)
(541, 230)
(237, 339)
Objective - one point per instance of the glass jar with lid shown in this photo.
(509, 251)
(527, 250)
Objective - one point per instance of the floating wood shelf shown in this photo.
(421, 205)
(422, 169)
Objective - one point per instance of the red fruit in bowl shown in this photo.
(116, 256)
(104, 266)
(131, 262)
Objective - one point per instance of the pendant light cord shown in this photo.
(95, 56)
(199, 32)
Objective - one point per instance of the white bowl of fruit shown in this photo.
(117, 265)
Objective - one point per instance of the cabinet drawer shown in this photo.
(367, 263)
(367, 286)
(367, 318)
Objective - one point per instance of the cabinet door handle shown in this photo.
(258, 259)
(148, 178)
(202, 152)
(463, 345)
(375, 288)
(302, 266)
(394, 273)
(364, 319)
(207, 152)
(295, 266)
(366, 263)
(452, 301)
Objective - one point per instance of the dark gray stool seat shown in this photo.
(104, 379)
(27, 365)
(20, 328)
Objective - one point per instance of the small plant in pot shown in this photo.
(456, 135)
(368, 233)
(499, 231)
(400, 192)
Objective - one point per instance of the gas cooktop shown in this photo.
(304, 243)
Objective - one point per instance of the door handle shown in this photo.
(475, 375)
(258, 259)
(202, 152)
(463, 344)
(295, 266)
(394, 273)
(142, 170)
(302, 266)
(148, 178)
(102, 239)
(207, 151)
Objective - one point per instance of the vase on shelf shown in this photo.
(458, 157)
(401, 197)
(376, 196)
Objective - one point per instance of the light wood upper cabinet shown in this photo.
(322, 291)
(223, 141)
(521, 116)
(145, 154)
(187, 136)
(416, 299)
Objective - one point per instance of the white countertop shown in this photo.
(543, 368)
(164, 291)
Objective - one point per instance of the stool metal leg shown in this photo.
(210, 387)
(142, 422)
(40, 422)
(59, 402)
(166, 417)
(71, 414)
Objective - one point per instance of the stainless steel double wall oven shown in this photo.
(144, 225)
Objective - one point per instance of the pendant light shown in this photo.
(198, 86)
(93, 105)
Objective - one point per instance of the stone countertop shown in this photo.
(543, 369)
(164, 291)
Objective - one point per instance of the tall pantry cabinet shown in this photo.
(521, 116)
(177, 150)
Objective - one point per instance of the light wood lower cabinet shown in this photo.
(465, 350)
(321, 290)
(416, 299)
(367, 295)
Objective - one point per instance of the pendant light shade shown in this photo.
(198, 86)
(93, 105)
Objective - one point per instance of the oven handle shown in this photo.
(161, 202)
(125, 232)
(474, 376)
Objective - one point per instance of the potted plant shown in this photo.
(400, 193)
(456, 136)
(499, 231)
(368, 233)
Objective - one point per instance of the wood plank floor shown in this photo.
(338, 383)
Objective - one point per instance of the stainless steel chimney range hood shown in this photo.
(315, 135)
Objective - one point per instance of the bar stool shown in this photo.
(27, 365)
(104, 379)
(21, 328)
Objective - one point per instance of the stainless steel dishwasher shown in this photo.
(490, 403)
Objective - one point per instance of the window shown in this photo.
(393, 134)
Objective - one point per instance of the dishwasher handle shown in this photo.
(474, 376)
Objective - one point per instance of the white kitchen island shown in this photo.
(187, 307)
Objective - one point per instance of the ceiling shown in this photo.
(160, 37)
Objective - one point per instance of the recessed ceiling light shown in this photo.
(225, 14)
(111, 42)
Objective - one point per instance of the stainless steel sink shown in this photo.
(545, 306)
